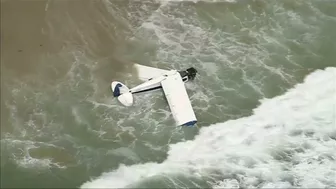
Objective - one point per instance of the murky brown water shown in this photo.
(39, 39)
(41, 43)
(32, 29)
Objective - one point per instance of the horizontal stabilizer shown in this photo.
(122, 92)
(126, 99)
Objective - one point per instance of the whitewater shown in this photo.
(289, 141)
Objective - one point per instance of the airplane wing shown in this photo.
(146, 72)
(178, 100)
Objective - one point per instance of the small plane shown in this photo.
(172, 83)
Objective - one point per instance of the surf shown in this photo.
(289, 141)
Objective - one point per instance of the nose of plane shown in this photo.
(191, 73)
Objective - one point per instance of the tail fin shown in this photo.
(122, 92)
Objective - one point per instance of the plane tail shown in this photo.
(122, 92)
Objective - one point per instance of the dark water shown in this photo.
(60, 125)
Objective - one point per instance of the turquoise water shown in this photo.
(60, 125)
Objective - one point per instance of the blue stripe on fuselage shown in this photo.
(150, 89)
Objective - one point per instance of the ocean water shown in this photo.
(264, 96)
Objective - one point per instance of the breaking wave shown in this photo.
(290, 140)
